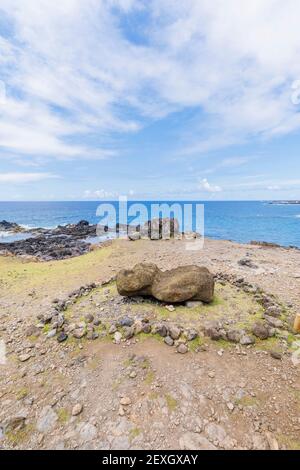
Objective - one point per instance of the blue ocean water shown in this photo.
(240, 221)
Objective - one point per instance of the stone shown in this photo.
(51, 333)
(24, 357)
(191, 334)
(79, 333)
(260, 330)
(160, 329)
(33, 330)
(234, 336)
(174, 332)
(193, 303)
(87, 432)
(128, 332)
(276, 355)
(134, 236)
(275, 322)
(125, 321)
(230, 406)
(137, 281)
(160, 228)
(125, 401)
(174, 286)
(215, 432)
(117, 337)
(113, 329)
(184, 283)
(182, 348)
(273, 311)
(14, 423)
(146, 328)
(170, 308)
(169, 341)
(77, 409)
(246, 340)
(47, 420)
(194, 441)
(62, 337)
(89, 318)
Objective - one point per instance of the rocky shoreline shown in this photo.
(74, 240)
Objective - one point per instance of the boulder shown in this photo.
(136, 281)
(174, 286)
(184, 283)
(160, 228)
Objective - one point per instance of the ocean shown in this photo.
(240, 221)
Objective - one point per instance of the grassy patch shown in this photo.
(171, 403)
(63, 415)
(149, 377)
(196, 343)
(288, 442)
(22, 393)
(19, 436)
(247, 401)
(270, 344)
(135, 432)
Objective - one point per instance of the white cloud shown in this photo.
(21, 178)
(72, 73)
(99, 194)
(204, 185)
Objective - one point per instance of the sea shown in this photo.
(240, 221)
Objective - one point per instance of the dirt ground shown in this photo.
(141, 393)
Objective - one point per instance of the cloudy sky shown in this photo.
(149, 98)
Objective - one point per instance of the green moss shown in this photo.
(47, 328)
(270, 344)
(32, 338)
(288, 442)
(196, 343)
(134, 432)
(22, 393)
(19, 436)
(247, 401)
(149, 377)
(171, 403)
(63, 415)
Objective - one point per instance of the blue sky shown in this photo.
(149, 99)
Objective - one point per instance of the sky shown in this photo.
(157, 99)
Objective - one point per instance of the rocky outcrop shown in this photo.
(10, 227)
(174, 286)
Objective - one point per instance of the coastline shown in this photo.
(134, 367)
(71, 240)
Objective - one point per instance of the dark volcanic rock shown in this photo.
(10, 227)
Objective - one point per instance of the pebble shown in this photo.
(211, 374)
(62, 337)
(24, 357)
(169, 341)
(125, 401)
(117, 337)
(276, 355)
(182, 348)
(170, 308)
(77, 409)
(132, 375)
(230, 406)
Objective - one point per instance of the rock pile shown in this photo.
(174, 286)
